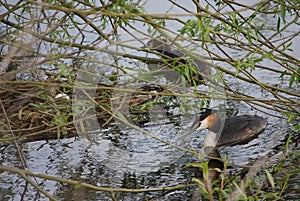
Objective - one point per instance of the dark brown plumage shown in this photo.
(241, 129)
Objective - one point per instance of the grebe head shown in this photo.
(206, 120)
(160, 45)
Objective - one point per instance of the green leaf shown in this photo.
(282, 74)
(58, 133)
(296, 127)
(201, 184)
(217, 28)
(292, 79)
(286, 147)
(278, 25)
(270, 178)
(283, 11)
(202, 103)
(200, 25)
(236, 22)
(206, 34)
(238, 67)
(205, 170)
(249, 37)
(197, 165)
(291, 118)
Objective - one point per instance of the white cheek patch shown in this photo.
(203, 125)
(210, 139)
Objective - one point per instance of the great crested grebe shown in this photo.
(161, 46)
(236, 130)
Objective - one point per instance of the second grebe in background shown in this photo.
(161, 46)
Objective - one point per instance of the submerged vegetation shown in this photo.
(67, 68)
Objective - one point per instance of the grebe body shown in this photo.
(235, 130)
